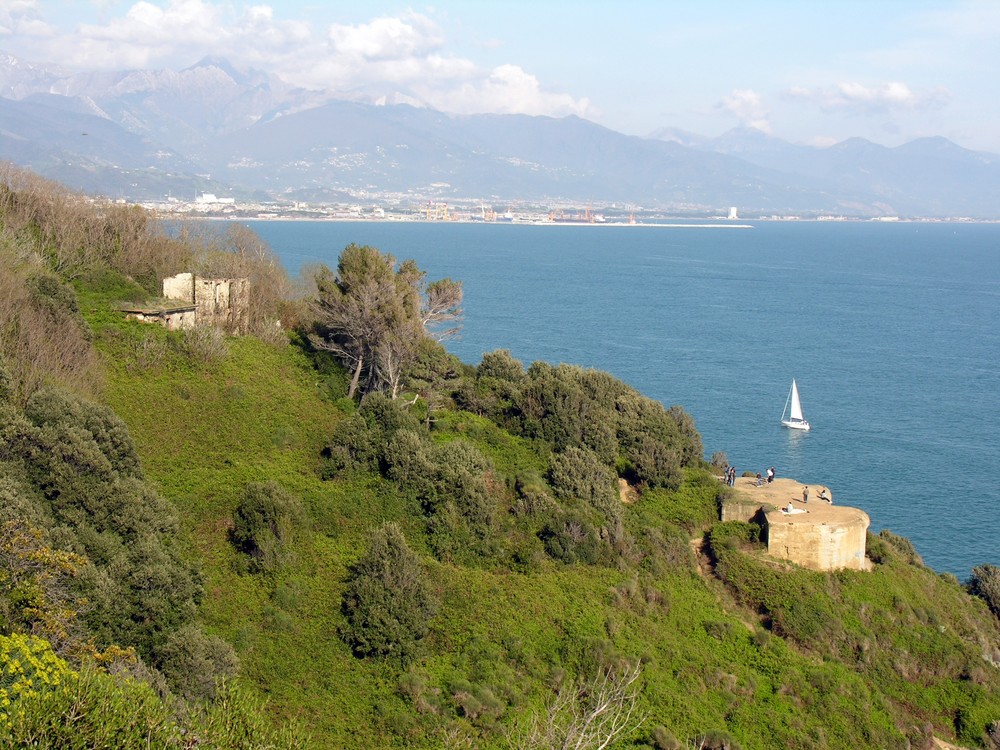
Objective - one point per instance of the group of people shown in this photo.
(824, 494)
(770, 477)
(729, 475)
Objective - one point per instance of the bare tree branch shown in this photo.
(590, 716)
(373, 316)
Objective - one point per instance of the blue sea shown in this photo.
(892, 331)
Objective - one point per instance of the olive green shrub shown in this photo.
(195, 664)
(387, 602)
(985, 583)
(263, 524)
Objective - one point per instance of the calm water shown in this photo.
(892, 331)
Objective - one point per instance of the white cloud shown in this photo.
(508, 90)
(822, 141)
(22, 18)
(858, 98)
(748, 106)
(386, 38)
(402, 57)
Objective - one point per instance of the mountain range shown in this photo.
(144, 135)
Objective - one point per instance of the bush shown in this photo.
(264, 522)
(657, 465)
(460, 478)
(500, 365)
(196, 664)
(352, 446)
(387, 603)
(385, 415)
(78, 460)
(985, 583)
(408, 458)
(571, 538)
(578, 473)
(882, 548)
(64, 414)
(92, 710)
(28, 666)
(205, 343)
(731, 535)
(57, 708)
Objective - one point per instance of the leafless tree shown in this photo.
(239, 252)
(591, 716)
(41, 341)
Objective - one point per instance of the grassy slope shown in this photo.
(203, 431)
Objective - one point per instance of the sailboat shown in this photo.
(793, 408)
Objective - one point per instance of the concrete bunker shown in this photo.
(817, 535)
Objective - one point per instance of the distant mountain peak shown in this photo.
(248, 77)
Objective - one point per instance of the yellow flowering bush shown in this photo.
(28, 666)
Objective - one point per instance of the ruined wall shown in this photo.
(220, 302)
(826, 544)
(171, 319)
(739, 509)
(223, 302)
(180, 286)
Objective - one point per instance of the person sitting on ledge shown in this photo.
(824, 496)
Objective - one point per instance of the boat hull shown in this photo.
(803, 425)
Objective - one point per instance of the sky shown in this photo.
(813, 72)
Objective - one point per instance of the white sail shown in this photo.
(795, 413)
(793, 408)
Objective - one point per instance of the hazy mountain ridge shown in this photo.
(252, 132)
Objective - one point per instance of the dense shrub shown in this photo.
(408, 460)
(985, 583)
(569, 407)
(37, 594)
(387, 603)
(195, 664)
(360, 441)
(656, 465)
(886, 546)
(731, 535)
(500, 365)
(80, 464)
(28, 666)
(352, 446)
(385, 415)
(43, 339)
(49, 706)
(460, 477)
(571, 538)
(578, 473)
(264, 523)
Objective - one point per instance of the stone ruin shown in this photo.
(220, 302)
(192, 300)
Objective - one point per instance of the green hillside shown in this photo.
(278, 540)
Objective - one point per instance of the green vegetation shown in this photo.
(387, 602)
(399, 550)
